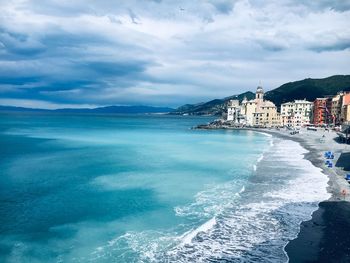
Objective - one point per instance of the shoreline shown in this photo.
(315, 153)
(316, 149)
(324, 237)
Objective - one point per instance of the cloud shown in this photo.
(164, 52)
(336, 45)
(338, 5)
(20, 44)
(223, 6)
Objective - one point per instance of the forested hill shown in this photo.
(213, 107)
(309, 89)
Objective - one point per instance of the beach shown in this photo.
(324, 238)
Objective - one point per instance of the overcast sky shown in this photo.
(78, 53)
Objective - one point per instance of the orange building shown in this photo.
(345, 110)
(346, 98)
(322, 111)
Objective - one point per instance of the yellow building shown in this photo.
(260, 112)
(336, 108)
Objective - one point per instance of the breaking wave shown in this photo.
(243, 220)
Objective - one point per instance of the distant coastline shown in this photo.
(99, 110)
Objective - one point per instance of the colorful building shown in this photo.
(322, 114)
(336, 108)
(296, 114)
(260, 112)
(345, 110)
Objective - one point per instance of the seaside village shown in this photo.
(328, 112)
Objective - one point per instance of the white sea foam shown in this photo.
(149, 246)
(242, 190)
(285, 192)
(310, 181)
(203, 228)
(213, 201)
(270, 219)
(266, 134)
(255, 166)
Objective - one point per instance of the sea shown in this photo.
(148, 188)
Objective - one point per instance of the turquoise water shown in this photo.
(141, 189)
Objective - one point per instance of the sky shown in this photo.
(84, 53)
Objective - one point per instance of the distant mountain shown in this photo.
(19, 109)
(99, 110)
(213, 107)
(303, 89)
(309, 89)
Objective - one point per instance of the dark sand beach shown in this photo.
(326, 236)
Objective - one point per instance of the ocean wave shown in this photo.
(266, 134)
(260, 158)
(259, 227)
(187, 238)
(241, 221)
(213, 201)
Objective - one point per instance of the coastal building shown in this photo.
(233, 111)
(345, 109)
(322, 111)
(296, 114)
(287, 114)
(260, 112)
(248, 109)
(337, 102)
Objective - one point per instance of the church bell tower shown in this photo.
(259, 95)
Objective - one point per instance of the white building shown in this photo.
(233, 111)
(296, 114)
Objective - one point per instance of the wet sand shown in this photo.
(324, 238)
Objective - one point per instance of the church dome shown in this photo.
(268, 103)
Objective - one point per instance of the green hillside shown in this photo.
(309, 89)
(213, 107)
(303, 89)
